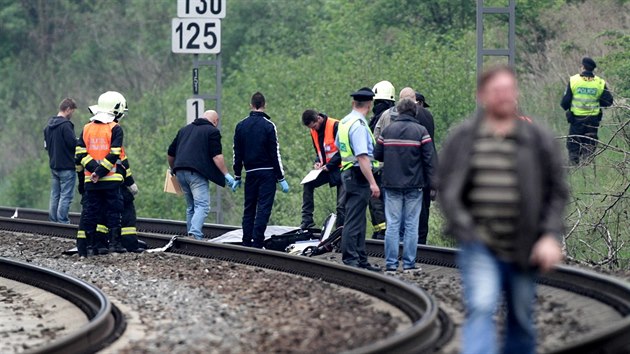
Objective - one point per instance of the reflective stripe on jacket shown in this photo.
(329, 141)
(586, 93)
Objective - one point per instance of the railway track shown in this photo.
(430, 326)
(106, 322)
(614, 293)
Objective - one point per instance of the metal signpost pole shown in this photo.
(197, 30)
(508, 52)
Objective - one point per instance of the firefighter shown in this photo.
(99, 149)
(384, 99)
(583, 99)
(323, 132)
(356, 146)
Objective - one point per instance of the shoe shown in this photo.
(379, 235)
(390, 271)
(102, 251)
(370, 267)
(413, 270)
(306, 226)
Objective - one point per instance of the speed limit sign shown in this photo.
(196, 36)
(201, 8)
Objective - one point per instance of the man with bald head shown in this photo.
(195, 156)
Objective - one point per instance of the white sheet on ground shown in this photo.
(236, 236)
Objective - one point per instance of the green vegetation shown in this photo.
(301, 54)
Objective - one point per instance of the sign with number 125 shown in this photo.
(196, 36)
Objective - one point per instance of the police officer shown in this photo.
(323, 132)
(99, 149)
(583, 99)
(356, 146)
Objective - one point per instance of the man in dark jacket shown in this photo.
(256, 148)
(195, 156)
(425, 118)
(60, 142)
(323, 132)
(406, 149)
(503, 194)
(583, 99)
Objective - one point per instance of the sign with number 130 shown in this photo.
(201, 8)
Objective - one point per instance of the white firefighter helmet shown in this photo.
(384, 90)
(110, 103)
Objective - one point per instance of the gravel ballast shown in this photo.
(192, 305)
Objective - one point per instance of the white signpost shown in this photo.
(201, 8)
(194, 109)
(196, 36)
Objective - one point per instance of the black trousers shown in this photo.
(353, 236)
(260, 191)
(308, 199)
(582, 146)
(377, 208)
(108, 201)
(423, 226)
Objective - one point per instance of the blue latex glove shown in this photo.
(285, 186)
(235, 185)
(229, 180)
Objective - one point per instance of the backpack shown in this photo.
(281, 242)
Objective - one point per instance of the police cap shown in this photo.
(363, 94)
(589, 64)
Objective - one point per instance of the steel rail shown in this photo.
(608, 290)
(605, 289)
(429, 325)
(106, 322)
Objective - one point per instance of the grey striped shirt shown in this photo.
(493, 193)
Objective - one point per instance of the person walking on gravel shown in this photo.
(60, 142)
(196, 156)
(356, 146)
(406, 149)
(503, 194)
(256, 148)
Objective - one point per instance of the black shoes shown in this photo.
(370, 267)
(306, 226)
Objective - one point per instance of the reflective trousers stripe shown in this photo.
(380, 227)
(102, 229)
(81, 234)
(126, 231)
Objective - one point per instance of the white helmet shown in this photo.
(111, 102)
(384, 90)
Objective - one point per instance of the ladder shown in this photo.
(482, 51)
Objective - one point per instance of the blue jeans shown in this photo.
(61, 194)
(197, 193)
(485, 277)
(402, 208)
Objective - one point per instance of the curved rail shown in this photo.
(610, 291)
(429, 325)
(106, 322)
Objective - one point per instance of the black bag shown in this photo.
(281, 242)
(333, 242)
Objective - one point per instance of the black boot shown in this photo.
(82, 246)
(116, 243)
(101, 244)
(90, 239)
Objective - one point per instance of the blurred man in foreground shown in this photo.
(503, 194)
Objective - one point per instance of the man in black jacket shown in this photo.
(256, 148)
(60, 142)
(425, 118)
(503, 195)
(323, 132)
(406, 149)
(195, 156)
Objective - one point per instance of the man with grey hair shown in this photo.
(406, 149)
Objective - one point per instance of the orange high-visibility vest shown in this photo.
(97, 138)
(329, 141)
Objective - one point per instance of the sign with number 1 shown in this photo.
(194, 109)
